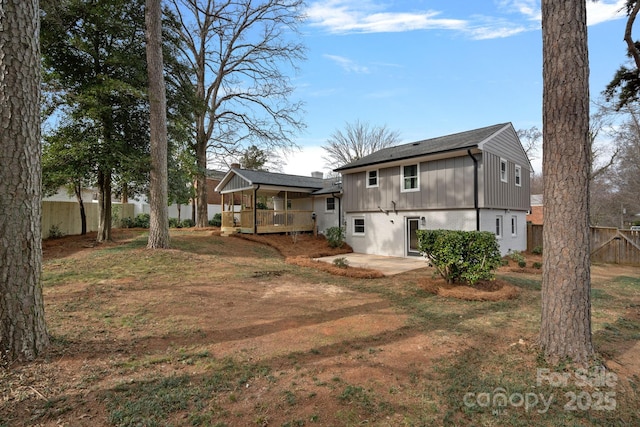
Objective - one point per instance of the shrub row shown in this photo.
(142, 221)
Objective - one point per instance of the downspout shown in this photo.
(255, 209)
(475, 189)
(339, 209)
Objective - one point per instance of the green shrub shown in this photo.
(174, 223)
(461, 256)
(341, 262)
(55, 232)
(537, 265)
(522, 264)
(516, 256)
(140, 221)
(537, 250)
(216, 221)
(127, 222)
(335, 236)
(186, 223)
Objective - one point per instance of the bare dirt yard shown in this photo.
(226, 331)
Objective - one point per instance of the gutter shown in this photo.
(475, 189)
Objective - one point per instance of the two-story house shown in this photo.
(473, 180)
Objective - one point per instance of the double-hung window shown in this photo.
(504, 170)
(498, 229)
(331, 204)
(358, 226)
(410, 178)
(372, 179)
(518, 176)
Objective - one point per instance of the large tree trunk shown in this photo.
(23, 334)
(159, 218)
(202, 217)
(104, 206)
(566, 306)
(83, 213)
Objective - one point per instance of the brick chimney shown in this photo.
(317, 174)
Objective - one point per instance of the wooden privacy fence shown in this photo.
(608, 245)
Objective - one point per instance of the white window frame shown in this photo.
(504, 175)
(353, 222)
(368, 177)
(402, 178)
(499, 226)
(514, 225)
(518, 176)
(326, 204)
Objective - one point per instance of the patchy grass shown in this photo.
(222, 332)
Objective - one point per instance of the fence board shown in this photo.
(66, 216)
(608, 245)
(534, 236)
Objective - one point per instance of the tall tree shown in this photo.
(566, 283)
(239, 52)
(158, 185)
(67, 162)
(358, 139)
(23, 333)
(93, 55)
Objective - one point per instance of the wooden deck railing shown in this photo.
(268, 221)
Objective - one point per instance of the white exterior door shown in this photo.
(412, 238)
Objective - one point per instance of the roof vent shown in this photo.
(415, 143)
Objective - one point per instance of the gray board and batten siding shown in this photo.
(444, 184)
(446, 173)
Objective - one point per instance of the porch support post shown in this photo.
(286, 208)
(255, 209)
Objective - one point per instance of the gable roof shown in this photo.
(454, 142)
(270, 178)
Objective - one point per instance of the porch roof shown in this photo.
(251, 178)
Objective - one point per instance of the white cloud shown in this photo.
(344, 16)
(511, 17)
(347, 64)
(602, 11)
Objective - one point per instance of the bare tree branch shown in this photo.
(359, 139)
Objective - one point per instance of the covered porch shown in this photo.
(267, 211)
(259, 202)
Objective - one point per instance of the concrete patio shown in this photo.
(387, 265)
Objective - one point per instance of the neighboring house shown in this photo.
(276, 203)
(474, 180)
(535, 215)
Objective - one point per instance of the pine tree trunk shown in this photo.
(23, 334)
(104, 206)
(566, 306)
(159, 218)
(202, 217)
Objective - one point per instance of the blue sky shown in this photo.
(428, 68)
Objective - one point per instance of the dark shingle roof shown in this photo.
(279, 179)
(442, 144)
(215, 174)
